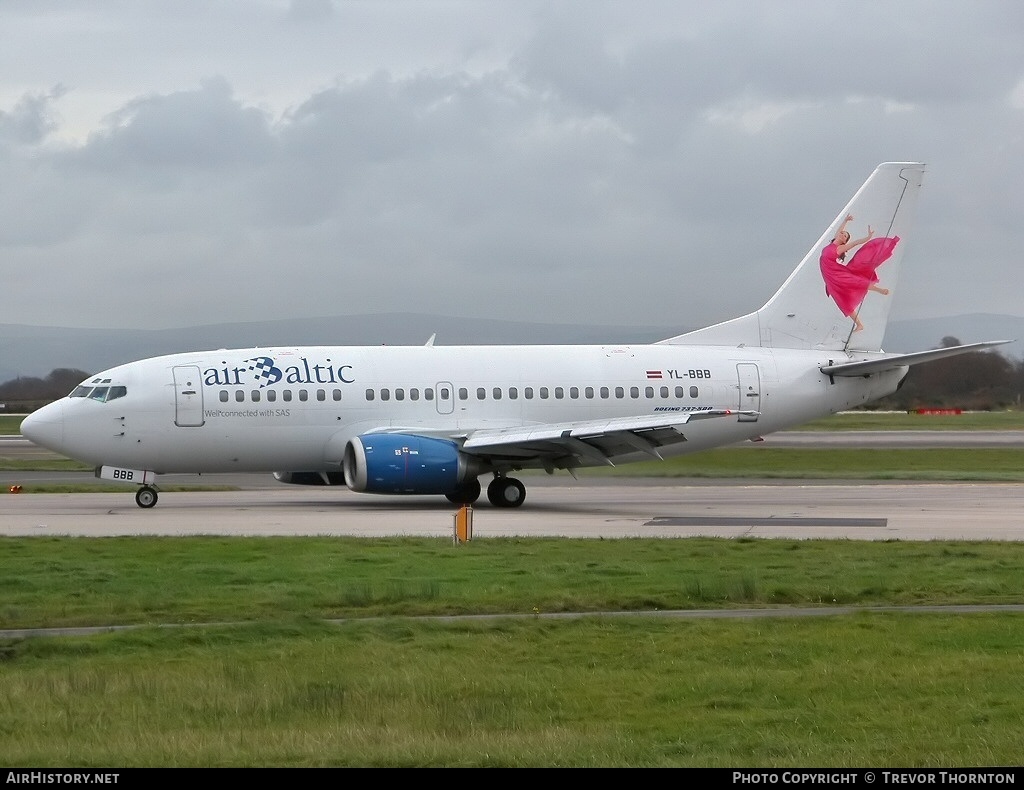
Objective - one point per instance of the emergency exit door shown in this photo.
(750, 390)
(188, 396)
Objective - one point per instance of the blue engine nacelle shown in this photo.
(395, 463)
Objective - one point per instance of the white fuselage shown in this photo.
(271, 409)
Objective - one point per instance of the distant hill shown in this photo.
(36, 350)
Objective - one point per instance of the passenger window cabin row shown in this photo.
(480, 393)
(286, 396)
(544, 393)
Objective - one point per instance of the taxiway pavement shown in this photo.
(594, 508)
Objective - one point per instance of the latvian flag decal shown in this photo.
(654, 374)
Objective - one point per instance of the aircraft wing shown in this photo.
(587, 440)
(892, 361)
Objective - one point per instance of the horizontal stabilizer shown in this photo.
(893, 361)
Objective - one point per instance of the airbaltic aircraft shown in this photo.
(433, 419)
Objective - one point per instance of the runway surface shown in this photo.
(595, 508)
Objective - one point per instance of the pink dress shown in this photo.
(848, 283)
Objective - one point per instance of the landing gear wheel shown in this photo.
(466, 494)
(145, 497)
(506, 492)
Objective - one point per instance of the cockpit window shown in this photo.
(102, 394)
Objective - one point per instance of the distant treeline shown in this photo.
(979, 381)
(28, 393)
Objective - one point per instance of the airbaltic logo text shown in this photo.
(265, 372)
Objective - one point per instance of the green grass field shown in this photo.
(344, 652)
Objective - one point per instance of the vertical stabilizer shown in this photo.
(814, 308)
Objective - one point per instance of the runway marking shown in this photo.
(730, 521)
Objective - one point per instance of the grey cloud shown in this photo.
(307, 11)
(32, 118)
(666, 165)
(205, 129)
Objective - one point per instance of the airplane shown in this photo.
(433, 420)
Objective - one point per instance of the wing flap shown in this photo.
(588, 441)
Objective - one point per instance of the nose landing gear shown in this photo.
(146, 496)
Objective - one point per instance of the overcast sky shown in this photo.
(166, 164)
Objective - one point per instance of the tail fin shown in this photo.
(802, 313)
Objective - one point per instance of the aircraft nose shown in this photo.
(45, 426)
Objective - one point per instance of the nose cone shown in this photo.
(45, 426)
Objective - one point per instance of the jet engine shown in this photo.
(394, 463)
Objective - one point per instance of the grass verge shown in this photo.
(282, 681)
(889, 690)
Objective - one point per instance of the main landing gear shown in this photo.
(466, 494)
(506, 492)
(146, 496)
(501, 492)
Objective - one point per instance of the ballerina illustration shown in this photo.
(849, 283)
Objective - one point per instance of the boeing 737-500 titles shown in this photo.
(436, 419)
